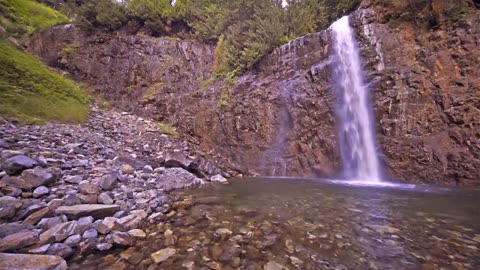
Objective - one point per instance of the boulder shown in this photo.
(177, 178)
(18, 240)
(176, 159)
(17, 164)
(31, 262)
(83, 210)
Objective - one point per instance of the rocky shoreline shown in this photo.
(72, 190)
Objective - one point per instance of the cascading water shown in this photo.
(353, 109)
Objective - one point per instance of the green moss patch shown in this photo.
(31, 93)
(168, 129)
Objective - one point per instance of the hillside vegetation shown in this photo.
(21, 17)
(29, 91)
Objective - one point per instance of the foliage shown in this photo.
(21, 17)
(92, 14)
(30, 93)
(168, 129)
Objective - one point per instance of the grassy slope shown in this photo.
(20, 17)
(29, 91)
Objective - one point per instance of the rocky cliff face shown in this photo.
(278, 119)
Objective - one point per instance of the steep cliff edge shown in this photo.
(279, 118)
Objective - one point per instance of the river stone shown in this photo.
(39, 176)
(137, 233)
(121, 239)
(104, 198)
(17, 164)
(40, 191)
(88, 188)
(106, 225)
(18, 240)
(82, 210)
(162, 254)
(127, 169)
(60, 249)
(59, 232)
(16, 182)
(108, 182)
(31, 262)
(90, 234)
(73, 240)
(73, 179)
(35, 217)
(12, 228)
(39, 250)
(218, 178)
(7, 211)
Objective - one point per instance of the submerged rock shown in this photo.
(162, 255)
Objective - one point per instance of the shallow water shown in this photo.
(315, 224)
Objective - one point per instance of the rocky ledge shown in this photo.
(71, 190)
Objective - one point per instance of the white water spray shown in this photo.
(356, 130)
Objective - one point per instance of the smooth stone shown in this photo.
(40, 191)
(31, 262)
(127, 169)
(12, 228)
(106, 225)
(81, 210)
(73, 240)
(73, 179)
(218, 178)
(39, 250)
(162, 255)
(137, 233)
(147, 169)
(90, 234)
(104, 198)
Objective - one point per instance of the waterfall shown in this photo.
(353, 108)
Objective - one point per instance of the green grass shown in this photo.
(168, 129)
(31, 93)
(21, 17)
